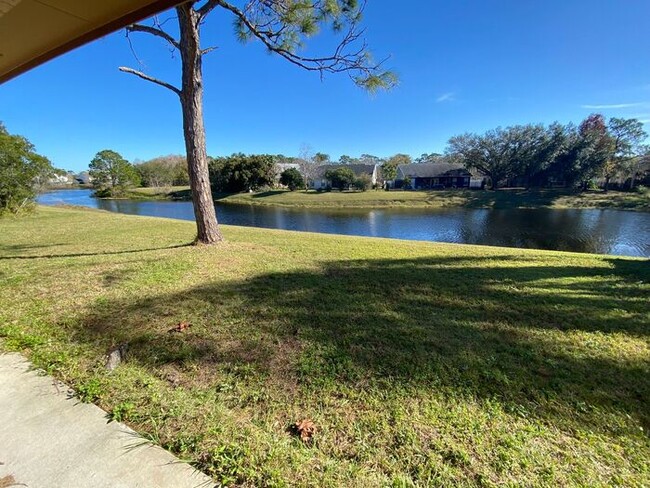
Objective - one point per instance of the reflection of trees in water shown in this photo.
(564, 230)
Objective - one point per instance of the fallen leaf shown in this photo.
(305, 429)
(174, 379)
(7, 481)
(180, 327)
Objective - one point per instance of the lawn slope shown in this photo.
(420, 364)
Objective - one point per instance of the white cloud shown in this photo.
(612, 106)
(446, 97)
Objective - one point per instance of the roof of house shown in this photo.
(357, 169)
(431, 170)
(284, 166)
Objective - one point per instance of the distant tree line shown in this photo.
(531, 155)
(539, 156)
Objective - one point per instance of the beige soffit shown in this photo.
(35, 31)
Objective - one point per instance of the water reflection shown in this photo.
(594, 231)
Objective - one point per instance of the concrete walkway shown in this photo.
(50, 440)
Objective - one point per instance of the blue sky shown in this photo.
(463, 66)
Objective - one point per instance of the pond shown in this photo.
(587, 230)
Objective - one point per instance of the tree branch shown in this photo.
(154, 32)
(207, 8)
(146, 77)
(262, 19)
(253, 30)
(208, 50)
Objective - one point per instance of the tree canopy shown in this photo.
(341, 178)
(389, 167)
(22, 172)
(494, 154)
(626, 137)
(292, 179)
(240, 172)
(537, 155)
(163, 171)
(111, 174)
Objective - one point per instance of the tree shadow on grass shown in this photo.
(28, 247)
(77, 255)
(513, 334)
(269, 193)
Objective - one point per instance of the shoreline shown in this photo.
(474, 199)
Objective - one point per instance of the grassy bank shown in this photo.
(162, 193)
(420, 364)
(434, 199)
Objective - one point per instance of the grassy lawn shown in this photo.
(452, 198)
(420, 364)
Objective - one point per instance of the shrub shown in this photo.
(240, 172)
(292, 179)
(363, 183)
(341, 178)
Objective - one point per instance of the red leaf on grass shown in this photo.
(180, 327)
(305, 429)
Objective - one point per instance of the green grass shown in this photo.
(452, 198)
(420, 364)
(158, 193)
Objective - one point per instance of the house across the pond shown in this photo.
(436, 176)
(319, 182)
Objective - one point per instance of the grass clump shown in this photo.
(420, 364)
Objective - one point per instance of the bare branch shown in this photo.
(154, 32)
(208, 50)
(158, 23)
(135, 55)
(207, 8)
(144, 76)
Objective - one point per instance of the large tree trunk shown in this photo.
(633, 178)
(193, 126)
(495, 183)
